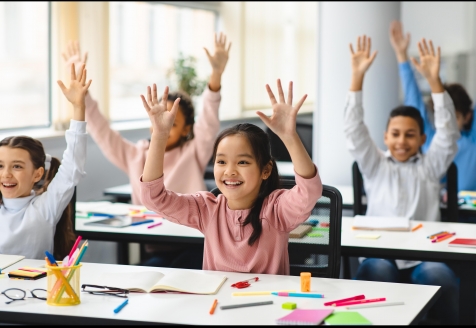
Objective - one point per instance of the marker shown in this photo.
(353, 298)
(258, 293)
(154, 225)
(372, 300)
(226, 307)
(51, 258)
(141, 222)
(214, 305)
(364, 306)
(417, 227)
(437, 234)
(119, 308)
(441, 238)
(298, 294)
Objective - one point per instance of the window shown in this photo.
(279, 42)
(144, 40)
(24, 64)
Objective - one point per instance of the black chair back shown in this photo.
(359, 191)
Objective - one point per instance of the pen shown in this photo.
(76, 243)
(51, 258)
(214, 305)
(154, 225)
(437, 240)
(417, 227)
(226, 307)
(372, 300)
(141, 222)
(353, 298)
(101, 214)
(364, 306)
(258, 293)
(437, 234)
(119, 308)
(298, 294)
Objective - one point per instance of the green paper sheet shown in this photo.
(346, 318)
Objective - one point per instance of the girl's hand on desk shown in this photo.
(218, 61)
(77, 91)
(73, 56)
(162, 120)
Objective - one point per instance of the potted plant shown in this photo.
(185, 75)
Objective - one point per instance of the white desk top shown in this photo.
(411, 241)
(194, 309)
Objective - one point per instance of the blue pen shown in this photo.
(298, 294)
(141, 222)
(51, 258)
(102, 215)
(119, 308)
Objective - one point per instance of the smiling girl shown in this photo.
(247, 227)
(34, 198)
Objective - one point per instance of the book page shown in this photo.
(381, 222)
(133, 281)
(188, 281)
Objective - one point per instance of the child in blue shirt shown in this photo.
(465, 158)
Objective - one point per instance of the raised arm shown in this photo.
(443, 147)
(118, 150)
(358, 139)
(218, 61)
(283, 123)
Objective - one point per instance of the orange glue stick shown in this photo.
(305, 281)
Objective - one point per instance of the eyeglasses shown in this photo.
(17, 294)
(105, 290)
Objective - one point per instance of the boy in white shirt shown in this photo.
(402, 181)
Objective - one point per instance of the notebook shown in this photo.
(7, 260)
(393, 223)
(185, 281)
(105, 207)
(463, 242)
(346, 318)
(304, 317)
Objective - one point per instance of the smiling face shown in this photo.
(17, 173)
(237, 172)
(403, 137)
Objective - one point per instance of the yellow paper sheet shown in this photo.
(368, 236)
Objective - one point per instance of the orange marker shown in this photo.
(417, 227)
(443, 238)
(214, 305)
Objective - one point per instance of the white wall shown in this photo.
(338, 25)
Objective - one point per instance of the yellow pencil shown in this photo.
(259, 293)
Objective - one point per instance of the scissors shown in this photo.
(244, 283)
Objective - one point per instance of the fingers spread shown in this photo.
(432, 50)
(165, 96)
(280, 91)
(299, 104)
(271, 95)
(266, 120)
(73, 72)
(290, 93)
(144, 102)
(62, 86)
(175, 107)
(149, 96)
(154, 94)
(351, 48)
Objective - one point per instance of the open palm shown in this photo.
(219, 59)
(77, 88)
(361, 59)
(72, 55)
(162, 120)
(283, 120)
(398, 40)
(429, 65)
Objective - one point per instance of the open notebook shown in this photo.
(7, 260)
(185, 281)
(394, 223)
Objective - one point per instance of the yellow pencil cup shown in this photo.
(63, 285)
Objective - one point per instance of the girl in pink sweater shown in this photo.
(247, 227)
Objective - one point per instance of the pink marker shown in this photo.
(154, 225)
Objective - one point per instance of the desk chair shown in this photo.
(62, 249)
(279, 150)
(318, 255)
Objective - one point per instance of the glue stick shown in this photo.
(305, 281)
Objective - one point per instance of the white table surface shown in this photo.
(194, 309)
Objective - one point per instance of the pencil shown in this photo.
(364, 306)
(259, 293)
(417, 227)
(443, 238)
(214, 305)
(235, 306)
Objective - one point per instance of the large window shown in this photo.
(144, 40)
(24, 64)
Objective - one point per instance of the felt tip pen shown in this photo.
(353, 298)
(154, 225)
(441, 238)
(297, 294)
(372, 300)
(119, 308)
(141, 222)
(437, 234)
(51, 258)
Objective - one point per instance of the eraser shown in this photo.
(289, 306)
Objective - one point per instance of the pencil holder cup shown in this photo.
(63, 285)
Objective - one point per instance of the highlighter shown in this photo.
(305, 281)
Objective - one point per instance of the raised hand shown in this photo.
(218, 60)
(283, 120)
(162, 120)
(399, 41)
(72, 55)
(77, 91)
(429, 65)
(361, 59)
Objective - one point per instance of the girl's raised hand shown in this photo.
(429, 65)
(77, 91)
(283, 120)
(361, 59)
(162, 120)
(72, 55)
(219, 59)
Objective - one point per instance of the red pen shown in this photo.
(372, 300)
(353, 298)
(444, 237)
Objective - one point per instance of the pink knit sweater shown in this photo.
(184, 166)
(226, 240)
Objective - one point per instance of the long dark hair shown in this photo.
(64, 236)
(260, 145)
(188, 111)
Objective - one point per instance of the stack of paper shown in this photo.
(395, 223)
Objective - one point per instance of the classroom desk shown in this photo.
(415, 246)
(171, 308)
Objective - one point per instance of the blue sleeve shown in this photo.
(413, 97)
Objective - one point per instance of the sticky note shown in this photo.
(315, 234)
(289, 306)
(368, 236)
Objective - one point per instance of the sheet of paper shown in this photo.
(368, 236)
(381, 223)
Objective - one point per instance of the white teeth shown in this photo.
(9, 184)
(233, 183)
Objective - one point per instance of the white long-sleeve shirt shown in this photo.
(408, 188)
(28, 224)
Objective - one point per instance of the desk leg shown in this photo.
(467, 293)
(122, 253)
